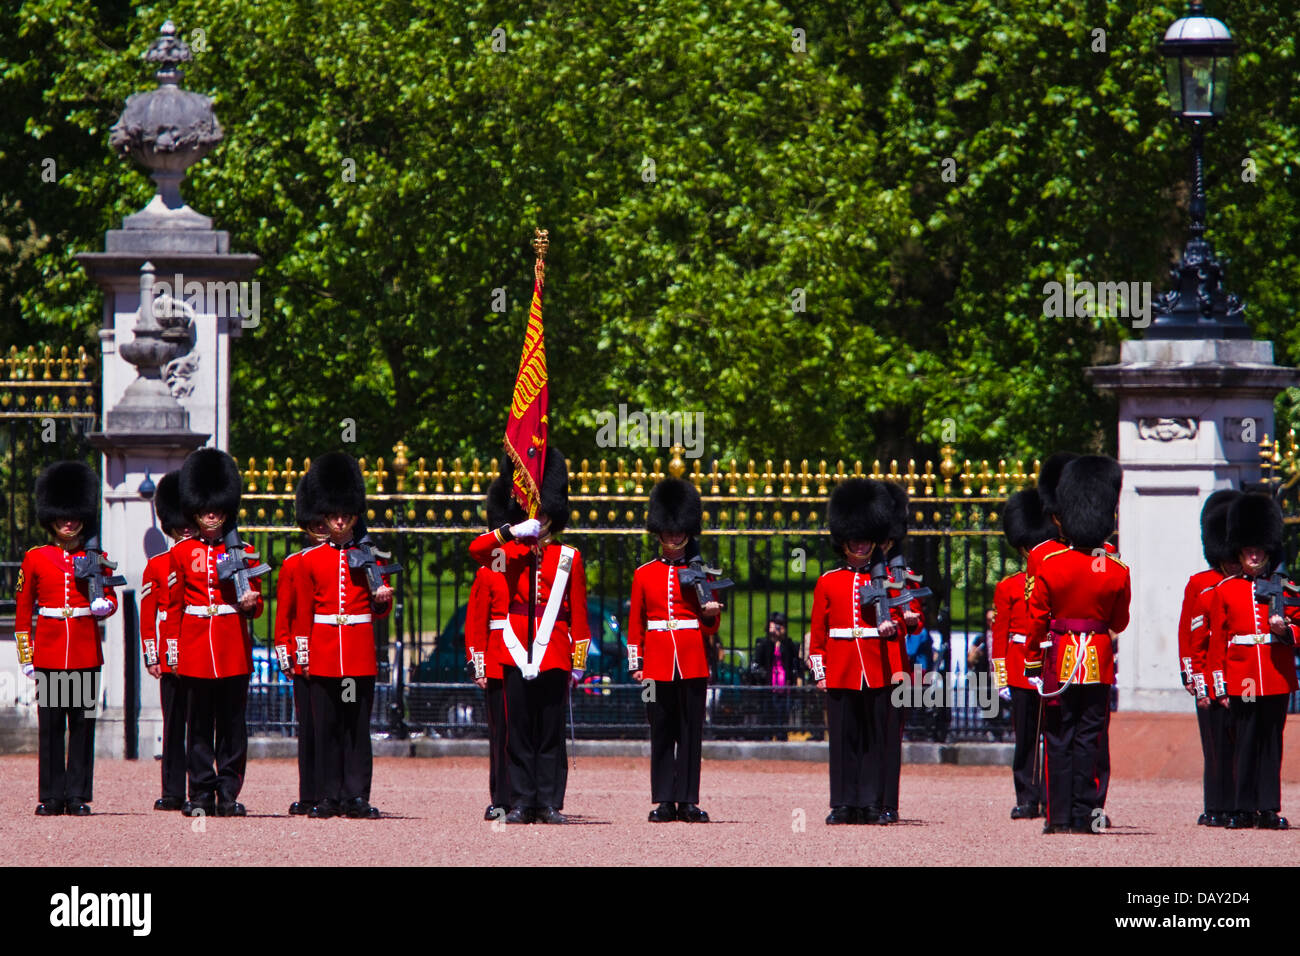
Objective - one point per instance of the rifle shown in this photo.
(876, 594)
(1276, 590)
(905, 576)
(363, 555)
(235, 564)
(90, 568)
(706, 589)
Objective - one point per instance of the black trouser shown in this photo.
(676, 714)
(1024, 724)
(537, 758)
(856, 721)
(217, 736)
(1073, 740)
(1102, 770)
(1257, 730)
(306, 741)
(175, 706)
(498, 769)
(891, 757)
(340, 713)
(66, 700)
(1215, 725)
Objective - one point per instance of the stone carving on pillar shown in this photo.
(167, 130)
(1167, 429)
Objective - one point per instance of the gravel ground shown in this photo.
(764, 813)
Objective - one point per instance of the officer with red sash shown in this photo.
(1251, 659)
(63, 653)
(160, 661)
(485, 619)
(1079, 601)
(291, 652)
(1193, 646)
(334, 610)
(1024, 526)
(667, 632)
(854, 653)
(214, 637)
(540, 668)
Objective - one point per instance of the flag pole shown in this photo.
(541, 242)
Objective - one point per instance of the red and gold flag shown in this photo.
(526, 427)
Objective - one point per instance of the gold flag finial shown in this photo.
(541, 242)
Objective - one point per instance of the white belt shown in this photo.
(210, 610)
(853, 632)
(64, 611)
(342, 618)
(1251, 639)
(681, 624)
(1019, 638)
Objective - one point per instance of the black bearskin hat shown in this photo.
(860, 509)
(1023, 521)
(1255, 521)
(167, 504)
(68, 490)
(1086, 498)
(210, 481)
(1214, 527)
(502, 508)
(333, 485)
(675, 507)
(1049, 476)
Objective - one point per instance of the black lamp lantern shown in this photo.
(1198, 52)
(1198, 62)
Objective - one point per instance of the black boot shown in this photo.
(840, 816)
(664, 813)
(691, 813)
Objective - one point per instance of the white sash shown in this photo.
(517, 652)
(551, 612)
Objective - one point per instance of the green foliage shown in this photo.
(773, 171)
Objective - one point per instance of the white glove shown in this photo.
(1005, 693)
(528, 530)
(101, 606)
(29, 671)
(532, 671)
(577, 676)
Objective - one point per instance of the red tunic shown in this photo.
(852, 662)
(1010, 631)
(1194, 625)
(220, 645)
(1044, 548)
(1258, 669)
(47, 580)
(326, 586)
(1075, 600)
(286, 599)
(571, 621)
(156, 582)
(666, 630)
(488, 601)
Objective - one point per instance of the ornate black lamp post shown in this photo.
(1198, 53)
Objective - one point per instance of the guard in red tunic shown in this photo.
(210, 624)
(854, 651)
(57, 587)
(666, 641)
(1251, 658)
(901, 577)
(160, 657)
(1025, 528)
(334, 611)
(1079, 601)
(485, 619)
(1193, 646)
(538, 674)
(291, 652)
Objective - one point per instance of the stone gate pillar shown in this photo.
(174, 297)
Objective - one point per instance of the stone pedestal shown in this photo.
(1191, 416)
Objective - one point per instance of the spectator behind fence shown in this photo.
(778, 665)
